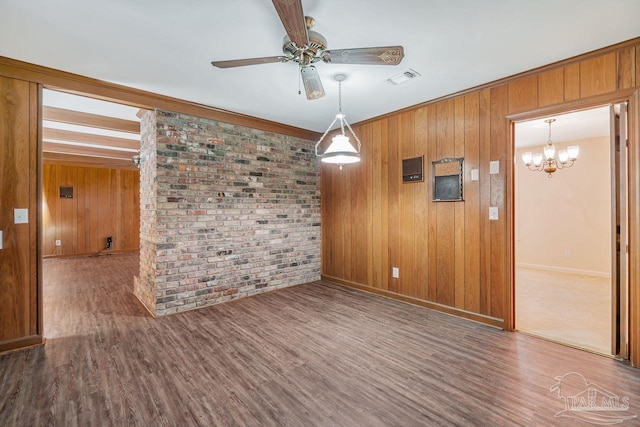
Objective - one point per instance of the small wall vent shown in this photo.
(403, 77)
(66, 192)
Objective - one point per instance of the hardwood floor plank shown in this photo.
(313, 354)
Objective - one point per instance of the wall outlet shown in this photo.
(58, 242)
(395, 272)
(109, 243)
(493, 213)
(567, 253)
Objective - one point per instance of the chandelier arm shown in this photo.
(566, 164)
(354, 135)
(325, 134)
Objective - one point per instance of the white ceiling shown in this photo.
(166, 47)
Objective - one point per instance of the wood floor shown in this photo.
(565, 307)
(314, 354)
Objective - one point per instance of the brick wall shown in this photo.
(236, 211)
(144, 286)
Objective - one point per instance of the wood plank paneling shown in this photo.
(459, 259)
(384, 179)
(394, 210)
(105, 203)
(572, 82)
(551, 87)
(498, 248)
(484, 125)
(68, 220)
(406, 141)
(472, 204)
(50, 215)
(638, 65)
(347, 221)
(626, 68)
(421, 212)
(598, 75)
(19, 314)
(363, 209)
(432, 138)
(376, 206)
(445, 231)
(523, 94)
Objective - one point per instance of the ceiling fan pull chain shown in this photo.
(299, 83)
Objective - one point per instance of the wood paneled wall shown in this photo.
(450, 255)
(106, 202)
(20, 320)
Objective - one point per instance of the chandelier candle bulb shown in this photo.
(573, 151)
(549, 151)
(537, 159)
(563, 156)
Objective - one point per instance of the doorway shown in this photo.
(566, 226)
(90, 199)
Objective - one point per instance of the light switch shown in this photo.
(494, 167)
(493, 213)
(395, 272)
(475, 175)
(21, 216)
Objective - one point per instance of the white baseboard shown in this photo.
(563, 269)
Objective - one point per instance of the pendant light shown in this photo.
(340, 152)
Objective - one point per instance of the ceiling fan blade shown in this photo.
(249, 61)
(383, 55)
(292, 17)
(311, 81)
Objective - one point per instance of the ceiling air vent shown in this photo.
(403, 77)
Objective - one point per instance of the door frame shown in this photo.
(633, 193)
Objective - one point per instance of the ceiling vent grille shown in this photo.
(403, 77)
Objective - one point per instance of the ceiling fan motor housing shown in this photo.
(313, 52)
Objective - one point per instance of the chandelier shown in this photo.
(548, 161)
(340, 152)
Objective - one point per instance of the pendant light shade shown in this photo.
(340, 151)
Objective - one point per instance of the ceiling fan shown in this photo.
(306, 47)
